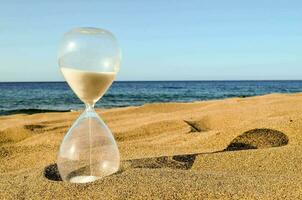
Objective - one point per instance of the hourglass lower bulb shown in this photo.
(88, 151)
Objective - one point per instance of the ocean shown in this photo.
(32, 97)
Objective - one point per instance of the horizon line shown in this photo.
(214, 80)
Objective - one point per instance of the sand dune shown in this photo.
(239, 148)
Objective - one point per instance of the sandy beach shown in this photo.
(239, 148)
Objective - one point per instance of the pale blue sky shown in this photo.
(160, 40)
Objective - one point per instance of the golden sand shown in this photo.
(240, 148)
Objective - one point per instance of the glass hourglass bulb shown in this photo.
(89, 59)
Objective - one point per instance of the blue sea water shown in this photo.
(18, 97)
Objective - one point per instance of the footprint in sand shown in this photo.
(18, 133)
(258, 139)
(183, 162)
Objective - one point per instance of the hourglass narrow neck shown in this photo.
(89, 107)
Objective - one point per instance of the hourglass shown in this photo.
(89, 59)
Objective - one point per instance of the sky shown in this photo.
(160, 39)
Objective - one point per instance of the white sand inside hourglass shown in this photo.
(83, 179)
(88, 86)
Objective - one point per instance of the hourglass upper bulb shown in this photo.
(89, 59)
(90, 49)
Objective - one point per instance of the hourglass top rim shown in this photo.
(90, 31)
